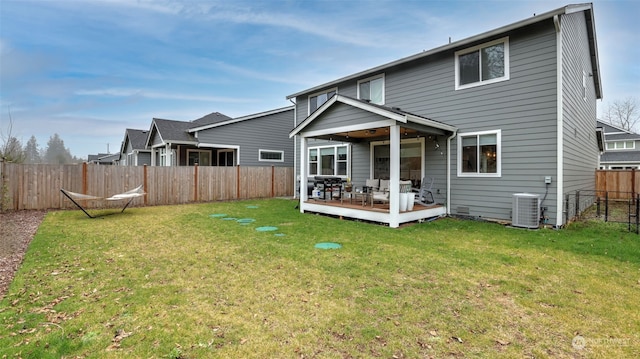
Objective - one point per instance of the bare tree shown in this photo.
(623, 113)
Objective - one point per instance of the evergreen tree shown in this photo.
(31, 151)
(56, 153)
(11, 150)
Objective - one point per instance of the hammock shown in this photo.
(77, 197)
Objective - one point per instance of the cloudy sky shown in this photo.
(89, 69)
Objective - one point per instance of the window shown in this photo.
(479, 154)
(226, 158)
(329, 161)
(483, 64)
(270, 156)
(621, 145)
(167, 157)
(372, 89)
(411, 159)
(199, 157)
(316, 100)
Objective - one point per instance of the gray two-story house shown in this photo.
(509, 111)
(622, 148)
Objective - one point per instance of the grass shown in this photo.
(173, 282)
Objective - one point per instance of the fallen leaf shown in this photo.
(502, 342)
(433, 333)
(458, 339)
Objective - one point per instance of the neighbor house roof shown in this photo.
(137, 138)
(620, 156)
(230, 120)
(171, 131)
(393, 113)
(615, 133)
(591, 32)
(214, 117)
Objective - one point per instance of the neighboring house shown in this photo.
(104, 158)
(171, 144)
(511, 110)
(622, 148)
(259, 139)
(133, 151)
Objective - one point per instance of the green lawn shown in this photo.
(174, 282)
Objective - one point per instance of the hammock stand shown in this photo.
(78, 197)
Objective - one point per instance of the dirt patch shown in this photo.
(16, 232)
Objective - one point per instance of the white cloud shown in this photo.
(130, 92)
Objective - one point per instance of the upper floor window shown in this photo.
(621, 145)
(482, 64)
(372, 89)
(316, 100)
(479, 154)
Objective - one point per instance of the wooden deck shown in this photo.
(379, 212)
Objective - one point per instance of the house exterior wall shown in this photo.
(579, 113)
(523, 108)
(268, 132)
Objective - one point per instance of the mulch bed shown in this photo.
(16, 232)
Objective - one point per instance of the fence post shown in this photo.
(195, 183)
(84, 178)
(238, 182)
(633, 184)
(273, 181)
(144, 184)
(637, 210)
(2, 185)
(598, 206)
(577, 212)
(606, 206)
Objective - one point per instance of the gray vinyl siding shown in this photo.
(144, 158)
(340, 114)
(269, 132)
(523, 108)
(580, 147)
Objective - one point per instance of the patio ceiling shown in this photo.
(377, 134)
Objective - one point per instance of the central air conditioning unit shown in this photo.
(526, 210)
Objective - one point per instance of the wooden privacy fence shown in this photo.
(37, 186)
(618, 184)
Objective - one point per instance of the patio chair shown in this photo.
(79, 197)
(425, 194)
(382, 193)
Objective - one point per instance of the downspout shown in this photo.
(455, 132)
(560, 133)
(295, 150)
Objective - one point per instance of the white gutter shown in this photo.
(449, 139)
(295, 150)
(559, 124)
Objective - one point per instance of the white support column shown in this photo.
(394, 176)
(303, 171)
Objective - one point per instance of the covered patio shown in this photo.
(355, 140)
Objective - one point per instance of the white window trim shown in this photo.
(316, 94)
(379, 76)
(498, 173)
(335, 160)
(227, 150)
(506, 76)
(420, 140)
(260, 159)
(613, 143)
(190, 151)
